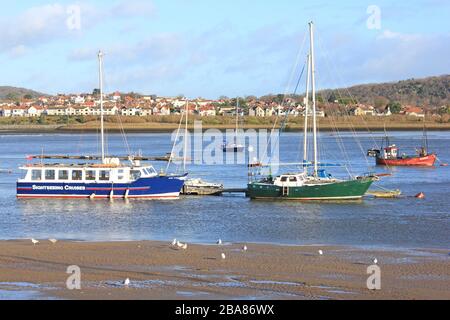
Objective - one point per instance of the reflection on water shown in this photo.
(407, 222)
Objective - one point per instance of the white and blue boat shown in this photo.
(109, 178)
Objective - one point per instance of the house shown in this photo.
(256, 112)
(414, 112)
(362, 110)
(34, 111)
(130, 111)
(207, 111)
(161, 110)
(116, 96)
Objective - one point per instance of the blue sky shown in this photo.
(213, 48)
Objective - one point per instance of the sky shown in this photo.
(201, 48)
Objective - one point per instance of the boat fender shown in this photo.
(420, 195)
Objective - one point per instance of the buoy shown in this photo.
(420, 195)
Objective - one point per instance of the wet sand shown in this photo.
(158, 270)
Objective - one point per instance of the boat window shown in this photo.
(77, 175)
(293, 179)
(120, 174)
(283, 179)
(50, 174)
(63, 175)
(135, 174)
(36, 174)
(104, 175)
(90, 175)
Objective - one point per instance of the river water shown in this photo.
(405, 222)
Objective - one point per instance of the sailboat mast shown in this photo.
(236, 130)
(100, 75)
(313, 71)
(185, 136)
(305, 133)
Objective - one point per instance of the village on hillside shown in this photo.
(141, 105)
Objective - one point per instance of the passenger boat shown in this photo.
(306, 185)
(110, 178)
(389, 155)
(234, 146)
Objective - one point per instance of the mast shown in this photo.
(237, 110)
(305, 133)
(313, 71)
(100, 75)
(185, 136)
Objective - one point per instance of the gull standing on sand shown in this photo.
(184, 246)
(52, 240)
(223, 256)
(219, 242)
(174, 242)
(244, 248)
(34, 241)
(126, 282)
(320, 252)
(375, 261)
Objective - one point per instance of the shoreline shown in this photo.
(158, 270)
(167, 128)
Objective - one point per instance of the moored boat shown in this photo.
(108, 179)
(389, 155)
(306, 185)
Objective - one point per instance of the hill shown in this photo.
(14, 93)
(425, 92)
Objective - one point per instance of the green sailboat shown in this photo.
(305, 185)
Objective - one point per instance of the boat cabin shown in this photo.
(290, 180)
(91, 173)
(390, 152)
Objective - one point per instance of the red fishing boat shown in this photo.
(389, 156)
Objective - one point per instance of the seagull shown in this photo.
(184, 246)
(126, 282)
(320, 252)
(174, 242)
(34, 241)
(375, 261)
(179, 244)
(223, 256)
(52, 240)
(244, 248)
(219, 241)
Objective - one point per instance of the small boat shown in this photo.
(197, 186)
(109, 178)
(385, 194)
(389, 155)
(307, 185)
(234, 146)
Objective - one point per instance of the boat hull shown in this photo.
(160, 187)
(341, 190)
(426, 161)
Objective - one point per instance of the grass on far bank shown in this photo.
(224, 122)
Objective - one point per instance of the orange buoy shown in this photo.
(420, 195)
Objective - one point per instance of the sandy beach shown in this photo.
(158, 270)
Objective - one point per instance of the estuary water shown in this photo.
(406, 222)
